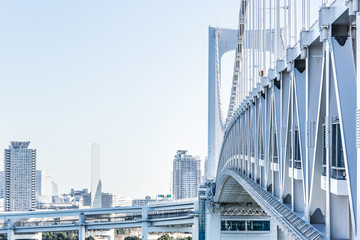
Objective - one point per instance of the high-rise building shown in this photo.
(205, 177)
(2, 184)
(95, 177)
(55, 189)
(20, 167)
(186, 175)
(107, 200)
(87, 199)
(44, 184)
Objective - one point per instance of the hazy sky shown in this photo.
(128, 75)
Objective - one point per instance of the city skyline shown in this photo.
(283, 145)
(99, 75)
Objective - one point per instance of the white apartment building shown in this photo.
(19, 167)
(186, 175)
(44, 184)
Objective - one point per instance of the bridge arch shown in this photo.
(229, 189)
(232, 186)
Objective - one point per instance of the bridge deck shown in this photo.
(293, 223)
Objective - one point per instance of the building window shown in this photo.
(337, 153)
(252, 146)
(261, 144)
(245, 146)
(258, 225)
(227, 225)
(275, 155)
(243, 225)
(297, 161)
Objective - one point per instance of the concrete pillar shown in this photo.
(195, 227)
(10, 234)
(145, 211)
(81, 226)
(213, 224)
(82, 232)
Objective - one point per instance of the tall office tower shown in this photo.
(2, 184)
(43, 184)
(205, 177)
(20, 166)
(95, 176)
(55, 189)
(186, 175)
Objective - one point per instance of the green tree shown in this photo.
(164, 237)
(185, 238)
(120, 231)
(69, 235)
(61, 235)
(132, 238)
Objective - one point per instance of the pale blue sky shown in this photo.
(129, 75)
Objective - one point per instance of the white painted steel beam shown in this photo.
(298, 97)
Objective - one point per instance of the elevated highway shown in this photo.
(169, 217)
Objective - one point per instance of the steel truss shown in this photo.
(235, 211)
(293, 124)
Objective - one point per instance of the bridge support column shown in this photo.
(145, 223)
(82, 232)
(10, 234)
(81, 226)
(195, 227)
(213, 223)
